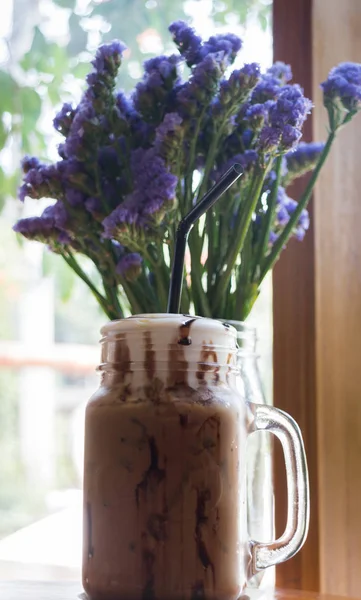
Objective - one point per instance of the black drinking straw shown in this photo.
(184, 228)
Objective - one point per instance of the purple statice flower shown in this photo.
(33, 179)
(74, 197)
(153, 193)
(285, 207)
(168, 137)
(201, 87)
(268, 88)
(162, 66)
(113, 188)
(291, 107)
(141, 132)
(303, 221)
(130, 266)
(273, 237)
(35, 228)
(83, 125)
(39, 182)
(285, 119)
(58, 213)
(101, 81)
(250, 72)
(108, 58)
(228, 43)
(207, 72)
(64, 239)
(303, 159)
(30, 162)
(108, 159)
(124, 104)
(152, 179)
(281, 71)
(247, 137)
(257, 114)
(69, 168)
(48, 228)
(187, 41)
(342, 92)
(290, 137)
(62, 150)
(94, 207)
(269, 139)
(234, 90)
(194, 51)
(170, 124)
(282, 215)
(152, 95)
(64, 119)
(44, 228)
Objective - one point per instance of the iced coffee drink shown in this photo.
(162, 488)
(165, 466)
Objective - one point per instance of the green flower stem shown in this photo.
(223, 235)
(135, 305)
(134, 295)
(209, 164)
(271, 259)
(269, 218)
(74, 265)
(161, 287)
(210, 222)
(112, 296)
(211, 155)
(240, 233)
(246, 292)
(160, 270)
(185, 299)
(223, 308)
(200, 298)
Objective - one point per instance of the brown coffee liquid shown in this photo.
(162, 495)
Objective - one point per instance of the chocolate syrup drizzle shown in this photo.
(203, 366)
(149, 362)
(184, 333)
(122, 359)
(156, 524)
(153, 475)
(203, 496)
(177, 363)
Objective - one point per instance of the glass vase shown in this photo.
(260, 496)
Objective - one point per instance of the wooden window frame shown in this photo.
(317, 311)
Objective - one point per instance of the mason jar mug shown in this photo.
(165, 510)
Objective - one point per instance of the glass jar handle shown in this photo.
(268, 418)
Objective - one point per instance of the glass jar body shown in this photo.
(164, 477)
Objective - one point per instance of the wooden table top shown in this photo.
(49, 590)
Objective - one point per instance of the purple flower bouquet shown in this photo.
(131, 167)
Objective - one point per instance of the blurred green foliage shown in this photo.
(46, 68)
(50, 45)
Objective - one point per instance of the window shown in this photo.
(49, 324)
